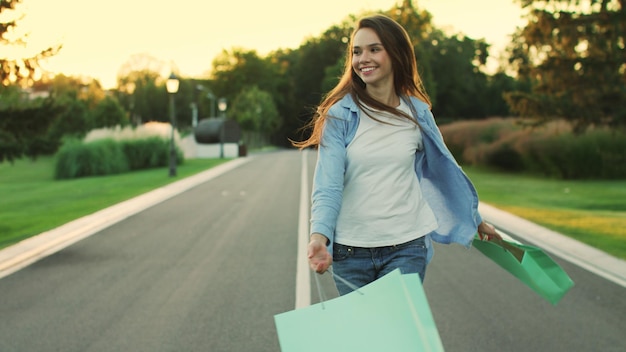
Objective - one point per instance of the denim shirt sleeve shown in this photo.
(448, 190)
(328, 181)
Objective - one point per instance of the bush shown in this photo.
(76, 159)
(146, 153)
(503, 155)
(551, 150)
(597, 154)
(107, 156)
(476, 142)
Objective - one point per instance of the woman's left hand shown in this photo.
(487, 232)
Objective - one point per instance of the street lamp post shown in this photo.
(172, 87)
(212, 98)
(194, 114)
(222, 104)
(130, 89)
(195, 105)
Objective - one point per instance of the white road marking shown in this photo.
(303, 278)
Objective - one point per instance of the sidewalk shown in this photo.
(24, 253)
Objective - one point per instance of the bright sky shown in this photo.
(98, 36)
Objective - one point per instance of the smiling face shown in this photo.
(370, 60)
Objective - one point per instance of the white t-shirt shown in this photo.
(382, 200)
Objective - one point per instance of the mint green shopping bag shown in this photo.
(529, 264)
(390, 314)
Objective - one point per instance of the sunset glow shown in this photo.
(98, 37)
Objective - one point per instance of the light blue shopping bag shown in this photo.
(390, 314)
(529, 264)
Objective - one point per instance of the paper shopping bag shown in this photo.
(529, 264)
(390, 314)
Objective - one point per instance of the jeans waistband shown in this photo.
(420, 241)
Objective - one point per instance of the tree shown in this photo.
(34, 126)
(418, 24)
(459, 83)
(138, 82)
(285, 98)
(109, 113)
(313, 70)
(18, 69)
(237, 69)
(572, 53)
(73, 119)
(254, 110)
(24, 125)
(84, 88)
(497, 86)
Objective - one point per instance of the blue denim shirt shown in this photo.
(445, 187)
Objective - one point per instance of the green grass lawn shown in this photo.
(31, 201)
(593, 212)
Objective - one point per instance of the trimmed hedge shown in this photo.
(108, 156)
(102, 157)
(552, 150)
(147, 153)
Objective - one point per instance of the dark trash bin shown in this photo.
(243, 150)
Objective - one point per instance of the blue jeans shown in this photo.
(360, 266)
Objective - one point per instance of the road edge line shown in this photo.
(303, 278)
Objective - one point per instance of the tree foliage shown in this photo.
(254, 110)
(293, 81)
(24, 125)
(419, 26)
(459, 84)
(109, 113)
(450, 66)
(140, 88)
(572, 53)
(73, 119)
(238, 70)
(18, 69)
(34, 126)
(235, 70)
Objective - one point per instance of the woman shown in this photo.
(385, 184)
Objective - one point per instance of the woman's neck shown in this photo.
(385, 96)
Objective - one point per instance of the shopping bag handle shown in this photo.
(518, 253)
(346, 282)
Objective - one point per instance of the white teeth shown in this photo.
(367, 69)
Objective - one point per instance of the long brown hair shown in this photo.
(406, 78)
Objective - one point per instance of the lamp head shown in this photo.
(222, 104)
(172, 84)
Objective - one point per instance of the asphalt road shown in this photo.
(208, 269)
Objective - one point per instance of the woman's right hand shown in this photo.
(319, 258)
